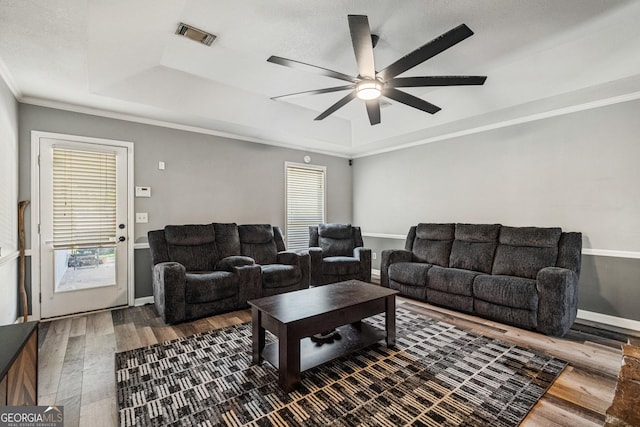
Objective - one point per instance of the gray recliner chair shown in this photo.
(282, 270)
(337, 254)
(198, 271)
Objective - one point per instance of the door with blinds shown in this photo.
(83, 227)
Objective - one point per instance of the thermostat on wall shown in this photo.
(143, 191)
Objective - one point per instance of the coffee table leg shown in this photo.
(257, 336)
(288, 359)
(390, 317)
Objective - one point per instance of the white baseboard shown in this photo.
(143, 301)
(375, 273)
(605, 319)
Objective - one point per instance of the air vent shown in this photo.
(195, 34)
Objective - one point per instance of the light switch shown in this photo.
(161, 166)
(143, 191)
(142, 217)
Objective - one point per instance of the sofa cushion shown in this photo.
(280, 275)
(474, 247)
(227, 239)
(335, 231)
(523, 251)
(255, 233)
(335, 239)
(433, 243)
(514, 316)
(340, 265)
(410, 273)
(411, 291)
(445, 299)
(208, 286)
(193, 246)
(189, 235)
(451, 280)
(509, 291)
(257, 242)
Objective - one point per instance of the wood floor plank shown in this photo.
(78, 326)
(51, 356)
(126, 337)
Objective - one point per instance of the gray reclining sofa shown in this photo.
(523, 276)
(201, 270)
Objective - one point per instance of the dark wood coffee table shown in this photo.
(294, 316)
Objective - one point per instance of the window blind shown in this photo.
(305, 186)
(84, 198)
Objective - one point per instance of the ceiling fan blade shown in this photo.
(436, 81)
(429, 50)
(316, 91)
(312, 68)
(362, 45)
(410, 100)
(373, 110)
(335, 107)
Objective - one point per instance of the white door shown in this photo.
(83, 226)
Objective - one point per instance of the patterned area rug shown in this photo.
(437, 375)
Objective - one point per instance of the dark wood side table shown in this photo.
(294, 316)
(19, 364)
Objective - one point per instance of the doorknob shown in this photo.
(121, 239)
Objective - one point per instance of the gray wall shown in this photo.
(207, 178)
(579, 171)
(8, 205)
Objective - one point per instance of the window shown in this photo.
(84, 198)
(305, 199)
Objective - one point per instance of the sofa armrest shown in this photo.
(301, 259)
(315, 259)
(557, 300)
(364, 255)
(231, 262)
(388, 257)
(288, 257)
(250, 279)
(169, 280)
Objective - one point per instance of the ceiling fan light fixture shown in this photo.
(369, 89)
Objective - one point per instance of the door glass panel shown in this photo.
(84, 268)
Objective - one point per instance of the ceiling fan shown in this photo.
(370, 84)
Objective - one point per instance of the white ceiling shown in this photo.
(122, 56)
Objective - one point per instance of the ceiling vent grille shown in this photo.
(195, 34)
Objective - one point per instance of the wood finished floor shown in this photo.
(76, 361)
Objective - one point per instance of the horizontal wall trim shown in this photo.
(610, 253)
(606, 319)
(385, 236)
(143, 301)
(142, 245)
(9, 257)
(585, 251)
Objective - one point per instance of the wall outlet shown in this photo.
(373, 255)
(142, 217)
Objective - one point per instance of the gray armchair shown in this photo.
(337, 254)
(198, 271)
(282, 271)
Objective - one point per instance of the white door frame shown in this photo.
(35, 212)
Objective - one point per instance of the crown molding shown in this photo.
(5, 74)
(48, 103)
(507, 123)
